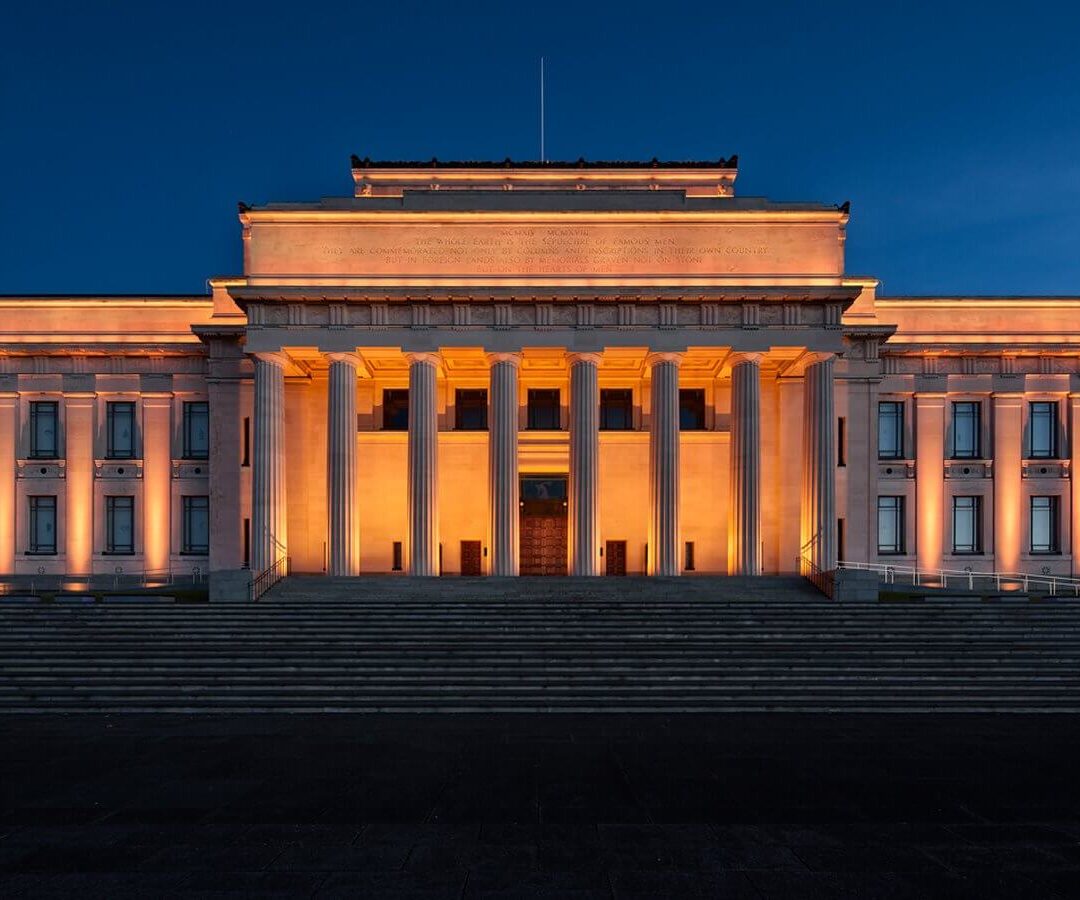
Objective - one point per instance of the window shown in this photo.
(120, 430)
(841, 441)
(692, 409)
(966, 420)
(967, 525)
(688, 556)
(890, 430)
(395, 563)
(119, 524)
(616, 409)
(246, 459)
(44, 431)
(42, 525)
(841, 539)
(195, 528)
(1044, 525)
(471, 410)
(1043, 427)
(890, 517)
(197, 430)
(544, 409)
(395, 409)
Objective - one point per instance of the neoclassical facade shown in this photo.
(507, 369)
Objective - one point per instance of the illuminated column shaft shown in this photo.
(1074, 469)
(1008, 481)
(503, 463)
(423, 465)
(269, 539)
(584, 531)
(79, 482)
(664, 465)
(929, 479)
(8, 404)
(819, 465)
(157, 480)
(744, 528)
(341, 465)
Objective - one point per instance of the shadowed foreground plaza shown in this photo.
(540, 805)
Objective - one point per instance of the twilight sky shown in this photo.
(128, 130)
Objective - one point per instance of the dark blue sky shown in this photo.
(128, 131)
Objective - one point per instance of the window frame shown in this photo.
(36, 406)
(470, 407)
(392, 406)
(625, 407)
(35, 506)
(697, 408)
(187, 510)
(187, 415)
(975, 418)
(899, 513)
(112, 407)
(533, 412)
(115, 503)
(900, 415)
(976, 513)
(1053, 513)
(1051, 407)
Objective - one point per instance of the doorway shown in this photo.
(615, 558)
(470, 558)
(543, 525)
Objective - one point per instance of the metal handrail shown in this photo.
(919, 576)
(823, 581)
(268, 577)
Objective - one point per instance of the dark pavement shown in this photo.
(786, 806)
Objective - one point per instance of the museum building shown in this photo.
(538, 369)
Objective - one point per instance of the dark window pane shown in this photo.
(196, 430)
(42, 525)
(890, 524)
(1043, 429)
(692, 409)
(44, 429)
(967, 524)
(470, 410)
(120, 430)
(965, 430)
(616, 409)
(396, 409)
(196, 525)
(119, 524)
(890, 430)
(541, 488)
(544, 409)
(1044, 525)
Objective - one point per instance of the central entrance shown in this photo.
(543, 525)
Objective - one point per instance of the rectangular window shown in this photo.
(44, 429)
(395, 564)
(841, 441)
(966, 424)
(120, 430)
(471, 410)
(967, 525)
(544, 409)
(119, 524)
(692, 409)
(1043, 427)
(1044, 525)
(891, 429)
(688, 557)
(395, 409)
(890, 516)
(841, 539)
(195, 528)
(42, 525)
(616, 409)
(197, 430)
(246, 459)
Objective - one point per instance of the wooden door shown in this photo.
(615, 556)
(543, 544)
(470, 558)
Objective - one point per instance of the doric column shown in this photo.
(269, 541)
(423, 465)
(664, 465)
(744, 526)
(1009, 514)
(584, 532)
(819, 465)
(503, 462)
(929, 479)
(344, 557)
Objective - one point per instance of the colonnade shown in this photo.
(744, 532)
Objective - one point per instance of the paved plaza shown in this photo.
(754, 806)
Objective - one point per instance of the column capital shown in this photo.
(574, 357)
(423, 356)
(352, 358)
(513, 357)
(658, 356)
(274, 357)
(738, 357)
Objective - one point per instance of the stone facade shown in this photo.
(710, 388)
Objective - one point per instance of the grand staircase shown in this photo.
(529, 645)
